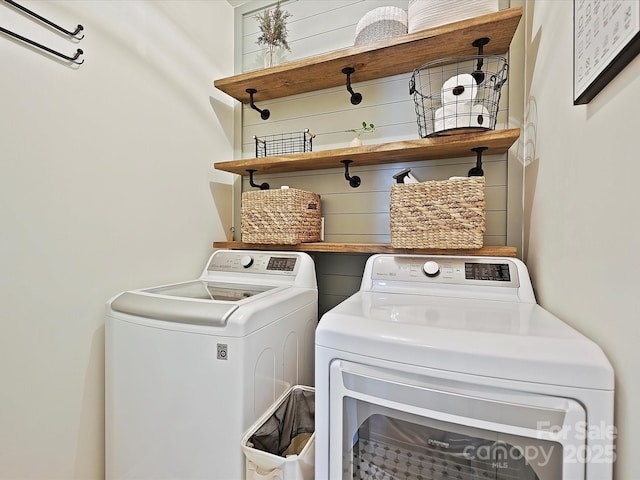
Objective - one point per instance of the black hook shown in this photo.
(477, 170)
(354, 182)
(262, 186)
(356, 98)
(264, 114)
(478, 75)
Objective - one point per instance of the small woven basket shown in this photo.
(286, 216)
(380, 24)
(438, 214)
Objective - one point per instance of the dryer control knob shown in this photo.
(431, 268)
(246, 261)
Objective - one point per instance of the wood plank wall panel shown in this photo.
(315, 27)
(362, 214)
(339, 275)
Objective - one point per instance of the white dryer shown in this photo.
(190, 366)
(445, 367)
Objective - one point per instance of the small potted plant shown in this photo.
(273, 32)
(365, 128)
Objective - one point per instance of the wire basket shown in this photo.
(284, 143)
(458, 94)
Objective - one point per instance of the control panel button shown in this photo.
(431, 268)
(246, 261)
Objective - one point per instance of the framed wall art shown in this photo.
(606, 37)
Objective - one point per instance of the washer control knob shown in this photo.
(246, 261)
(431, 268)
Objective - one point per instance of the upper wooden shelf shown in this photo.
(381, 59)
(451, 146)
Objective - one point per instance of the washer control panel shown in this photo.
(254, 262)
(431, 268)
(446, 270)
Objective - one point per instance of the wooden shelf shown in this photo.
(328, 247)
(381, 59)
(460, 145)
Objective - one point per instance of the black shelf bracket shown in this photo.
(356, 98)
(479, 43)
(264, 114)
(354, 182)
(262, 186)
(477, 170)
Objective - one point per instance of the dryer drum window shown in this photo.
(388, 447)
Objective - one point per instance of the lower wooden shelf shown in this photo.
(447, 146)
(329, 247)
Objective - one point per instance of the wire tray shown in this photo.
(284, 143)
(458, 94)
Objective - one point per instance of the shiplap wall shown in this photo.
(351, 215)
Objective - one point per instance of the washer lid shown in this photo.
(198, 302)
(214, 291)
(508, 340)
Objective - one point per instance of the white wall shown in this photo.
(581, 197)
(106, 184)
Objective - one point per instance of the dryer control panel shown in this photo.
(498, 272)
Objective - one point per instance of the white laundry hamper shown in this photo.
(280, 445)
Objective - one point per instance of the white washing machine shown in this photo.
(445, 367)
(191, 366)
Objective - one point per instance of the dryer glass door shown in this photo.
(384, 424)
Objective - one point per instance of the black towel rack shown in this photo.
(78, 29)
(36, 44)
(73, 34)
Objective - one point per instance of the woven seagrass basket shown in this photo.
(286, 216)
(438, 214)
